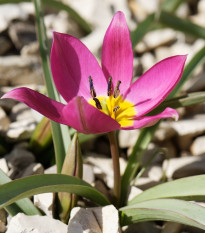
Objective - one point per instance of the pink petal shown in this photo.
(117, 55)
(46, 106)
(154, 86)
(87, 119)
(148, 121)
(77, 113)
(71, 64)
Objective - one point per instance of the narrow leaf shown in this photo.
(165, 209)
(189, 188)
(24, 206)
(60, 133)
(28, 186)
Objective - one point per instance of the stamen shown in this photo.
(117, 90)
(97, 103)
(109, 88)
(116, 108)
(92, 90)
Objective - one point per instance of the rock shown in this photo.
(21, 112)
(147, 61)
(35, 224)
(134, 191)
(128, 138)
(51, 170)
(155, 173)
(18, 159)
(19, 70)
(155, 39)
(144, 183)
(3, 216)
(31, 49)
(88, 173)
(196, 83)
(44, 201)
(90, 220)
(201, 6)
(22, 33)
(3, 165)
(185, 166)
(20, 130)
(142, 227)
(33, 169)
(189, 128)
(105, 168)
(4, 120)
(15, 12)
(183, 10)
(198, 19)
(198, 146)
(164, 132)
(172, 227)
(5, 45)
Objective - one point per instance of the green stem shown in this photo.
(116, 167)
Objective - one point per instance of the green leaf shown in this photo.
(182, 101)
(171, 5)
(165, 209)
(24, 206)
(134, 160)
(189, 188)
(60, 133)
(28, 186)
(141, 29)
(170, 20)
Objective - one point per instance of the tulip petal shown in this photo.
(87, 119)
(71, 64)
(147, 121)
(77, 113)
(154, 86)
(117, 55)
(41, 103)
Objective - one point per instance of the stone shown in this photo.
(3, 165)
(155, 39)
(3, 216)
(22, 33)
(155, 173)
(104, 168)
(88, 173)
(164, 132)
(15, 12)
(4, 120)
(21, 112)
(5, 45)
(20, 70)
(94, 220)
(147, 60)
(198, 146)
(172, 227)
(189, 128)
(201, 6)
(35, 224)
(20, 130)
(33, 169)
(175, 168)
(31, 49)
(44, 201)
(51, 170)
(134, 191)
(19, 158)
(144, 183)
(128, 138)
(198, 19)
(196, 83)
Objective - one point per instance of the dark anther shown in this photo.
(109, 88)
(117, 90)
(116, 108)
(92, 90)
(97, 103)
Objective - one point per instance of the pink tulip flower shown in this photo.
(103, 99)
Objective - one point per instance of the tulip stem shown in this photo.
(116, 167)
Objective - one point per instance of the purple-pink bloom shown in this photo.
(103, 99)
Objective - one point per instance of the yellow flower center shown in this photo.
(119, 109)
